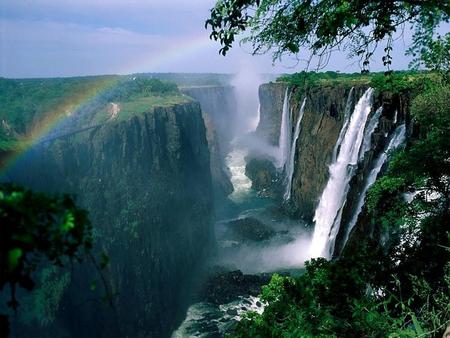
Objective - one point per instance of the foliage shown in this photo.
(191, 79)
(25, 104)
(400, 289)
(396, 82)
(305, 80)
(287, 27)
(36, 228)
(434, 54)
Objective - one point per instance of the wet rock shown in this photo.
(226, 287)
(249, 229)
(232, 312)
(265, 177)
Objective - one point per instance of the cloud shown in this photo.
(46, 48)
(78, 37)
(169, 16)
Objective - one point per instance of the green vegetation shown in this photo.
(191, 79)
(37, 229)
(142, 104)
(319, 27)
(138, 96)
(29, 105)
(396, 82)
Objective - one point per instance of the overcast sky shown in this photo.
(44, 38)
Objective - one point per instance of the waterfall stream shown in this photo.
(347, 112)
(285, 131)
(290, 164)
(328, 213)
(397, 139)
(371, 126)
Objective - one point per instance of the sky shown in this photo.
(48, 38)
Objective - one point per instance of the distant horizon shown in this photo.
(200, 73)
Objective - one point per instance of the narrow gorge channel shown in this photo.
(299, 184)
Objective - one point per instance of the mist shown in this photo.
(253, 259)
(246, 83)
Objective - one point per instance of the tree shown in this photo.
(321, 26)
(36, 229)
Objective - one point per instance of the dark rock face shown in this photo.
(219, 109)
(249, 229)
(321, 123)
(222, 186)
(219, 104)
(364, 228)
(271, 97)
(264, 176)
(146, 183)
(225, 287)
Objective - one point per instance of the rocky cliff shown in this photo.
(322, 121)
(219, 111)
(395, 112)
(320, 127)
(271, 96)
(146, 183)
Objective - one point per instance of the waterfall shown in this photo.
(285, 131)
(256, 119)
(348, 109)
(371, 126)
(328, 213)
(397, 139)
(290, 165)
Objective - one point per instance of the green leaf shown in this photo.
(14, 257)
(69, 222)
(417, 326)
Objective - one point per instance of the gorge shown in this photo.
(176, 190)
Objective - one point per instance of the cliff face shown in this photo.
(271, 97)
(219, 104)
(395, 112)
(219, 112)
(146, 183)
(322, 121)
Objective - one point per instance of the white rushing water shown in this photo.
(285, 131)
(255, 120)
(397, 139)
(205, 320)
(235, 162)
(347, 113)
(290, 164)
(371, 126)
(328, 213)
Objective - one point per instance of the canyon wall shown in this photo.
(146, 183)
(320, 128)
(219, 110)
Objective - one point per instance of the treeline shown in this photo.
(23, 102)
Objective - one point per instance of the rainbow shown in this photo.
(63, 110)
